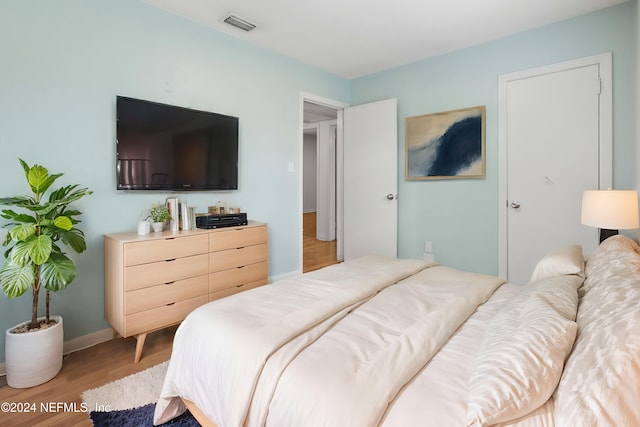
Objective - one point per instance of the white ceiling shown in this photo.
(316, 113)
(353, 38)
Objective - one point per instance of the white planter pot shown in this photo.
(33, 358)
(157, 226)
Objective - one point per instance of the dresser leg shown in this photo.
(139, 344)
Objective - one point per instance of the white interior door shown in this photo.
(370, 179)
(553, 144)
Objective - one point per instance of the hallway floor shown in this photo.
(316, 253)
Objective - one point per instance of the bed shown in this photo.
(390, 342)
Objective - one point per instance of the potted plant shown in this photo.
(35, 261)
(159, 214)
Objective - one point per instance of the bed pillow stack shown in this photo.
(599, 386)
(523, 352)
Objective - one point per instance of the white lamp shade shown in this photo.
(610, 209)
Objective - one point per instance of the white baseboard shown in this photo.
(86, 341)
(76, 344)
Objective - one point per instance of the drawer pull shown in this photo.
(170, 283)
(171, 303)
(169, 260)
(241, 247)
(242, 266)
(169, 238)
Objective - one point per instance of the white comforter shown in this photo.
(437, 395)
(337, 345)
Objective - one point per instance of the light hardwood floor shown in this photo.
(82, 370)
(316, 253)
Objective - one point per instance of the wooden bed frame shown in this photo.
(198, 414)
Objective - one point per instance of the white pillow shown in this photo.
(522, 354)
(563, 260)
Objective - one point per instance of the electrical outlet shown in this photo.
(428, 247)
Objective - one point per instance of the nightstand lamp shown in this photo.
(610, 211)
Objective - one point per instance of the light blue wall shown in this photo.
(63, 63)
(460, 217)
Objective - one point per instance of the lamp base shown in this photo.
(605, 233)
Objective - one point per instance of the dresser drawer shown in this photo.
(146, 251)
(237, 237)
(225, 279)
(235, 290)
(232, 258)
(156, 273)
(161, 317)
(159, 295)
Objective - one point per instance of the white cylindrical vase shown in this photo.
(33, 358)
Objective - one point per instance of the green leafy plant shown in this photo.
(159, 212)
(34, 259)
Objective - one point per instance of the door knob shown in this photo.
(391, 196)
(515, 204)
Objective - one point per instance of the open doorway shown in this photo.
(361, 205)
(319, 185)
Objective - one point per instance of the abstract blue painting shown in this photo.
(446, 145)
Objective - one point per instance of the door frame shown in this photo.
(605, 173)
(339, 106)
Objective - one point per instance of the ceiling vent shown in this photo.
(238, 22)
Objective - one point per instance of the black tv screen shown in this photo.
(163, 147)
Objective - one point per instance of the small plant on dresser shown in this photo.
(159, 214)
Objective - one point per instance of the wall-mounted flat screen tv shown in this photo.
(169, 148)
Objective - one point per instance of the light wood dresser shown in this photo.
(154, 281)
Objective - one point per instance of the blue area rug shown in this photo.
(138, 417)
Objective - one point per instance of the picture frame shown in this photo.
(446, 145)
